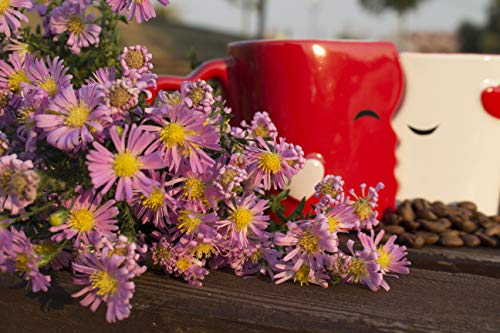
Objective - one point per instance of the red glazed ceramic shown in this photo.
(334, 98)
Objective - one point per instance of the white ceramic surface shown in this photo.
(302, 184)
(449, 146)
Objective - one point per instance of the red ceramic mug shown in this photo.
(334, 98)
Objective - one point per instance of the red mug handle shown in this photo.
(212, 69)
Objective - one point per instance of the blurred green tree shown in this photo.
(401, 7)
(474, 38)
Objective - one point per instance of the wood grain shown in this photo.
(425, 301)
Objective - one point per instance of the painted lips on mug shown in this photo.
(334, 98)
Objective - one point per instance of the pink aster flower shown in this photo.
(13, 73)
(106, 279)
(86, 215)
(5, 234)
(10, 17)
(159, 204)
(74, 118)
(263, 260)
(4, 143)
(363, 268)
(21, 257)
(246, 219)
(119, 97)
(230, 181)
(391, 257)
(51, 79)
(184, 136)
(40, 6)
(18, 185)
(364, 206)
(302, 272)
(331, 188)
(142, 11)
(135, 61)
(341, 218)
(262, 126)
(270, 164)
(127, 165)
(307, 239)
(70, 17)
(198, 95)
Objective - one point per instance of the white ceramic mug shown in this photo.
(449, 146)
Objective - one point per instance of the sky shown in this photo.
(332, 17)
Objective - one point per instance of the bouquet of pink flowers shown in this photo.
(96, 179)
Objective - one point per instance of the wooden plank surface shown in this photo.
(425, 301)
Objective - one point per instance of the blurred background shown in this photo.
(191, 31)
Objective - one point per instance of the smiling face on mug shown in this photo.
(449, 145)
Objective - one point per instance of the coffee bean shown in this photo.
(411, 240)
(420, 204)
(392, 219)
(450, 233)
(427, 215)
(468, 205)
(440, 209)
(470, 240)
(405, 211)
(456, 220)
(394, 229)
(467, 226)
(436, 226)
(493, 230)
(495, 218)
(451, 241)
(429, 237)
(480, 218)
(411, 225)
(486, 240)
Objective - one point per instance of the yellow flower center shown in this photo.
(333, 223)
(21, 262)
(15, 79)
(18, 183)
(162, 253)
(228, 177)
(77, 115)
(302, 275)
(50, 86)
(5, 178)
(4, 99)
(384, 259)
(172, 135)
(82, 220)
(269, 162)
(257, 256)
(134, 59)
(173, 99)
(103, 283)
(362, 209)
(76, 25)
(4, 5)
(261, 131)
(24, 115)
(328, 188)
(188, 221)
(203, 250)
(183, 264)
(358, 269)
(196, 95)
(119, 96)
(126, 164)
(194, 189)
(309, 242)
(242, 217)
(154, 201)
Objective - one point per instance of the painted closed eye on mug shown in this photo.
(366, 113)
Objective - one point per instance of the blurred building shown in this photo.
(442, 42)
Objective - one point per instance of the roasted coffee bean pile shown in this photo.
(418, 222)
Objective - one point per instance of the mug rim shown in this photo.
(451, 55)
(305, 41)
